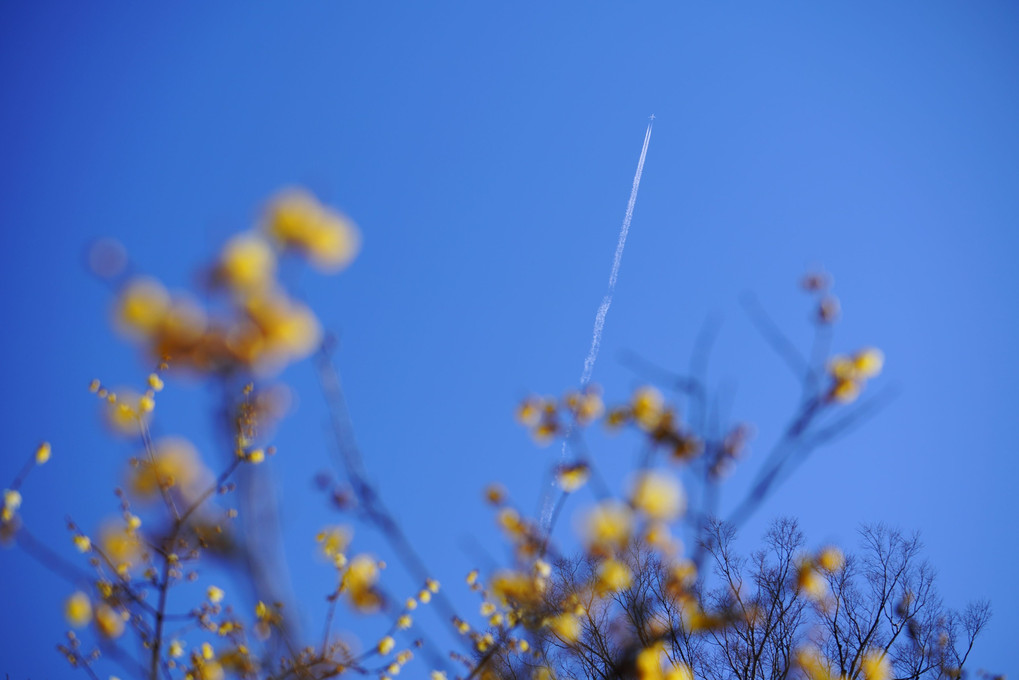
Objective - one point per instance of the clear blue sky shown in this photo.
(487, 152)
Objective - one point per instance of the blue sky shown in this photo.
(487, 151)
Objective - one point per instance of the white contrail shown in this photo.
(603, 310)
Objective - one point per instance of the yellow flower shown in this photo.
(608, 527)
(514, 587)
(123, 414)
(287, 329)
(12, 500)
(509, 519)
(176, 649)
(121, 546)
(155, 382)
(648, 407)
(585, 405)
(211, 670)
(82, 543)
(78, 609)
(42, 454)
(333, 540)
(174, 464)
(146, 404)
(566, 626)
(572, 477)
(868, 362)
(530, 410)
(659, 496)
(842, 367)
(214, 594)
(613, 576)
(403, 622)
(359, 580)
(297, 221)
(247, 263)
(850, 373)
(141, 306)
(813, 664)
(844, 391)
(810, 581)
(386, 645)
(831, 559)
(109, 623)
(875, 666)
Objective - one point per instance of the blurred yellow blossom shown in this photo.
(613, 576)
(288, 330)
(850, 373)
(333, 540)
(121, 546)
(572, 477)
(124, 414)
(831, 559)
(648, 407)
(141, 306)
(608, 527)
(653, 664)
(174, 463)
(42, 453)
(810, 581)
(359, 581)
(247, 263)
(875, 666)
(586, 405)
(296, 220)
(658, 495)
(566, 626)
(78, 610)
(109, 623)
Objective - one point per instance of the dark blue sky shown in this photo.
(487, 154)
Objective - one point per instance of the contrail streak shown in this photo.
(603, 310)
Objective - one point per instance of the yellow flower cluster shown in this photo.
(850, 373)
(573, 476)
(359, 581)
(653, 664)
(266, 329)
(658, 495)
(296, 221)
(811, 571)
(122, 546)
(648, 411)
(544, 416)
(171, 463)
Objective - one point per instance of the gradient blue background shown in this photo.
(487, 152)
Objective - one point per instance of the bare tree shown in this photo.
(885, 600)
(761, 613)
(760, 642)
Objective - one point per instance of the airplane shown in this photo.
(652, 116)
